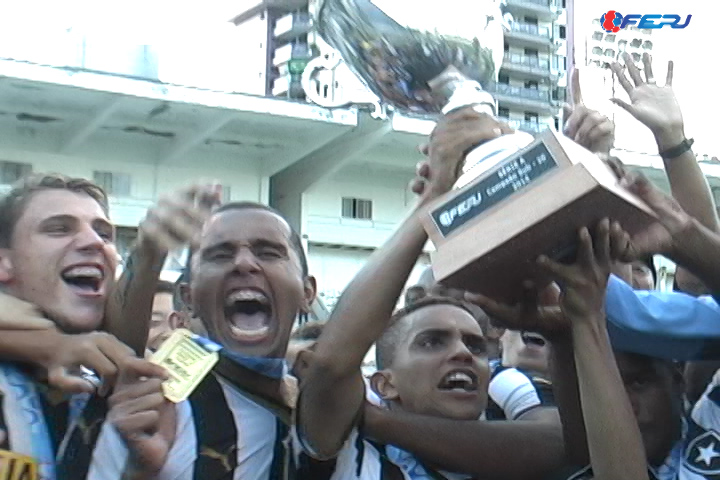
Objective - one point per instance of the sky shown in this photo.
(171, 23)
(694, 51)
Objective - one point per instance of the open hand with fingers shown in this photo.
(538, 311)
(672, 219)
(583, 283)
(177, 219)
(143, 417)
(589, 128)
(654, 106)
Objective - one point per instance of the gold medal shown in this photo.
(14, 466)
(188, 358)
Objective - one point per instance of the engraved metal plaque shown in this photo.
(509, 177)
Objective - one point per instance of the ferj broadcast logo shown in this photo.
(613, 22)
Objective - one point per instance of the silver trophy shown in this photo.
(421, 59)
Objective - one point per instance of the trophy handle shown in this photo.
(330, 63)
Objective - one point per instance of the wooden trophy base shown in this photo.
(489, 234)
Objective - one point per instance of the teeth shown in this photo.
(246, 295)
(459, 377)
(83, 271)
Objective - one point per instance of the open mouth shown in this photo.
(533, 339)
(248, 312)
(462, 380)
(85, 278)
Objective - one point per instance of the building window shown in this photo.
(357, 208)
(531, 52)
(506, 47)
(531, 117)
(114, 183)
(504, 79)
(562, 32)
(597, 36)
(557, 123)
(531, 84)
(531, 20)
(503, 112)
(11, 172)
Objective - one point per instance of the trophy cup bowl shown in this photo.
(518, 196)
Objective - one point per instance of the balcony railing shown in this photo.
(520, 92)
(538, 3)
(527, 61)
(530, 127)
(531, 29)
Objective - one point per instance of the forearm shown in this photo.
(333, 391)
(567, 397)
(690, 188)
(33, 347)
(129, 308)
(697, 249)
(366, 305)
(613, 436)
(473, 447)
(687, 181)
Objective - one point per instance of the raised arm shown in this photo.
(657, 108)
(332, 389)
(173, 223)
(613, 436)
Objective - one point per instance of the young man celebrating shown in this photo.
(433, 357)
(56, 252)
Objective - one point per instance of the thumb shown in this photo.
(567, 111)
(135, 368)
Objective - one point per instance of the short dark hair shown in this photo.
(386, 346)
(308, 331)
(13, 204)
(294, 236)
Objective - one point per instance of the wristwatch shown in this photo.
(678, 149)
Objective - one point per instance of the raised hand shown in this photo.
(144, 418)
(589, 128)
(176, 220)
(672, 219)
(455, 135)
(538, 311)
(583, 283)
(654, 106)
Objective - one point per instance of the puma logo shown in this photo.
(226, 459)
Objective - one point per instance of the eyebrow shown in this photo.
(262, 242)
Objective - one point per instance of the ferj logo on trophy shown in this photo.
(519, 196)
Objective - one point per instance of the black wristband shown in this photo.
(678, 149)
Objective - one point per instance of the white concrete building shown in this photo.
(142, 121)
(532, 79)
